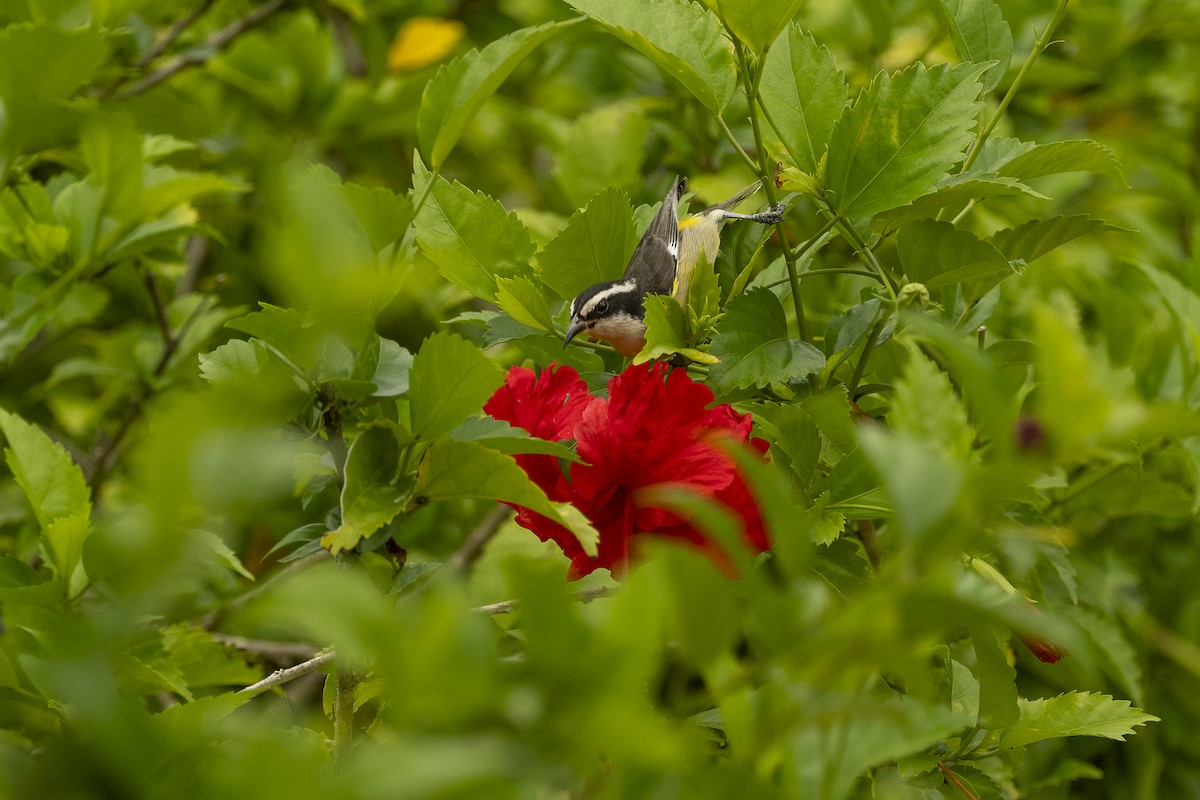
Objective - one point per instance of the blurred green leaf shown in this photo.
(899, 139)
(980, 34)
(449, 381)
(926, 408)
(459, 89)
(1073, 714)
(603, 150)
(803, 92)
(470, 236)
(51, 481)
(753, 346)
(685, 39)
(922, 482)
(1037, 237)
(997, 687)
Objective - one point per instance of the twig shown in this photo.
(277, 651)
(347, 45)
(865, 532)
(214, 44)
(174, 32)
(508, 606)
(195, 253)
(282, 676)
(466, 555)
(958, 784)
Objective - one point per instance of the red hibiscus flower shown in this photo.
(654, 430)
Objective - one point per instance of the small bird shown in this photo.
(662, 263)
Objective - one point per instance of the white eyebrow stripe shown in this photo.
(594, 300)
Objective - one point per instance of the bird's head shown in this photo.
(611, 311)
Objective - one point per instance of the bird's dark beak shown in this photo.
(574, 330)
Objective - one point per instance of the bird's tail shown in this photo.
(737, 199)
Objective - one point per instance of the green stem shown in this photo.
(885, 277)
(865, 273)
(750, 81)
(1043, 41)
(736, 145)
(868, 349)
(343, 715)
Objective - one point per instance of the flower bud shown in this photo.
(913, 296)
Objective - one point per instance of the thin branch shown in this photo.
(176, 30)
(865, 532)
(214, 44)
(343, 37)
(958, 784)
(465, 556)
(195, 254)
(282, 676)
(584, 596)
(276, 651)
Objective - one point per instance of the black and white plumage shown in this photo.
(662, 263)
(612, 311)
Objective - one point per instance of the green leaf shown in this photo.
(391, 374)
(997, 679)
(847, 330)
(504, 438)
(922, 483)
(459, 89)
(33, 111)
(1073, 714)
(369, 500)
(756, 23)
(684, 39)
(926, 407)
(900, 138)
(450, 380)
(454, 469)
(804, 92)
(753, 346)
(1111, 649)
(938, 254)
(217, 546)
(524, 302)
(953, 192)
(203, 661)
(1037, 237)
(468, 235)
(792, 433)
(287, 333)
(964, 690)
(1072, 155)
(51, 481)
(383, 214)
(981, 785)
(980, 34)
(665, 334)
(603, 149)
(64, 542)
(1070, 401)
(595, 246)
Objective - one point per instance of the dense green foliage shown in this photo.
(262, 264)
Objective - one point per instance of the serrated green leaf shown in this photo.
(1037, 237)
(997, 679)
(1074, 714)
(64, 538)
(900, 138)
(938, 254)
(459, 89)
(51, 481)
(665, 332)
(1072, 155)
(803, 91)
(454, 469)
(450, 380)
(954, 191)
(980, 34)
(287, 333)
(383, 214)
(684, 39)
(977, 782)
(595, 246)
(203, 661)
(756, 23)
(468, 235)
(754, 348)
(847, 330)
(926, 407)
(793, 433)
(369, 500)
(523, 301)
(217, 546)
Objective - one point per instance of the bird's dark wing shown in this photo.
(656, 256)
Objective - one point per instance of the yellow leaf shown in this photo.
(423, 40)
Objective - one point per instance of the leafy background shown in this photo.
(264, 262)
